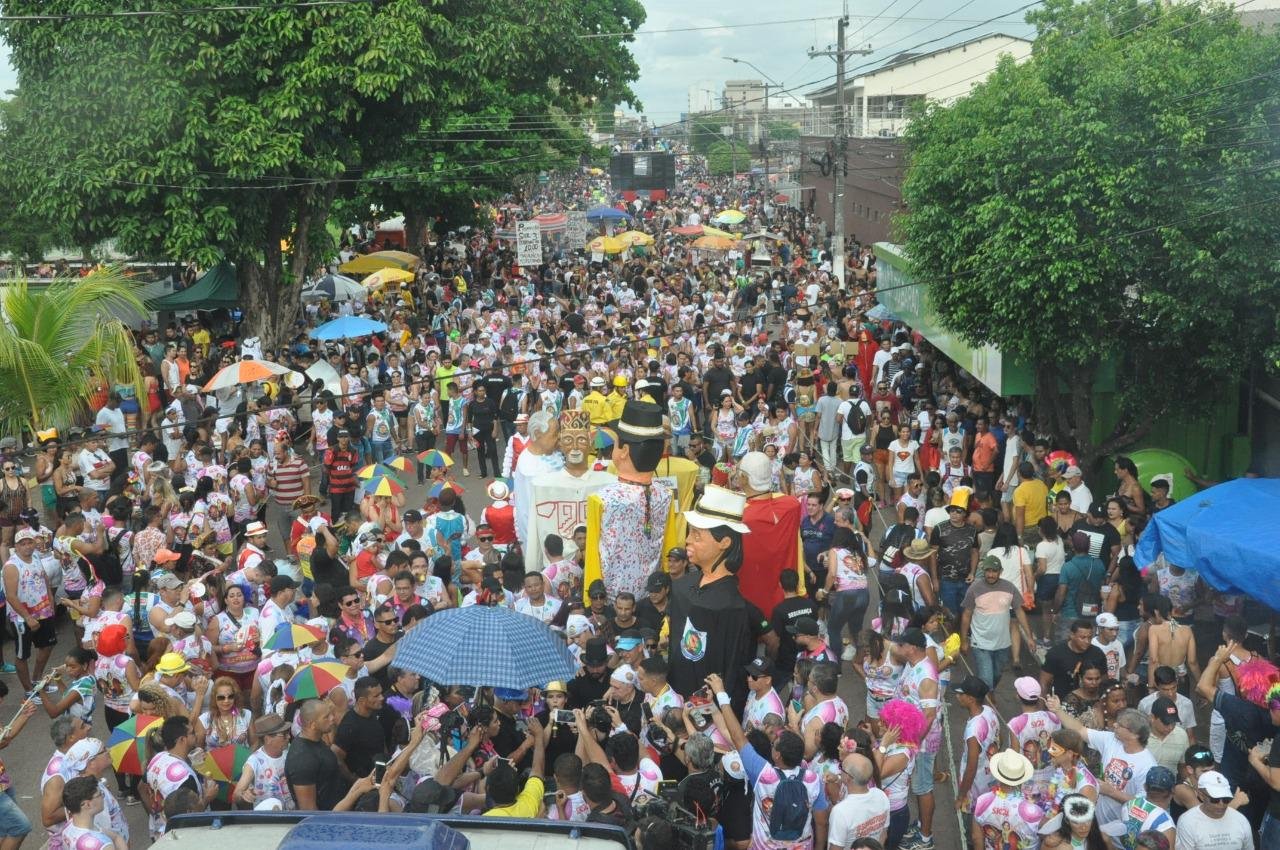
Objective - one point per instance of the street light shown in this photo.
(763, 143)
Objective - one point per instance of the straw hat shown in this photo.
(718, 507)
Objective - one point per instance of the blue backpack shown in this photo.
(790, 814)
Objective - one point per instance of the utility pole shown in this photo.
(840, 165)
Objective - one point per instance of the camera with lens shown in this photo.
(599, 719)
(690, 831)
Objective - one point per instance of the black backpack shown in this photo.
(790, 813)
(856, 418)
(107, 565)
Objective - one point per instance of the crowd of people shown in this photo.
(855, 541)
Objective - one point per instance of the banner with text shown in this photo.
(529, 244)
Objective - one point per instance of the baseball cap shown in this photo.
(990, 562)
(678, 552)
(759, 667)
(1106, 620)
(1215, 785)
(25, 534)
(803, 626)
(624, 674)
(1028, 688)
(1160, 778)
(973, 686)
(576, 624)
(1071, 472)
(627, 641)
(1165, 709)
(912, 637)
(412, 515)
(1198, 755)
(657, 582)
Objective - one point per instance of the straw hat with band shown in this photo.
(718, 507)
(1011, 768)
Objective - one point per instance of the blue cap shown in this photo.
(510, 694)
(1160, 778)
(627, 643)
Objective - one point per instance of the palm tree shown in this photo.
(57, 344)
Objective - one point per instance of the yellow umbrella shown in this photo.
(730, 217)
(715, 231)
(714, 243)
(635, 237)
(606, 245)
(368, 263)
(382, 277)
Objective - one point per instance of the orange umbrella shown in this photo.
(714, 243)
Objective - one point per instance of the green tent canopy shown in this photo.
(216, 288)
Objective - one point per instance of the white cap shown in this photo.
(1215, 785)
(625, 675)
(577, 624)
(1107, 621)
(759, 471)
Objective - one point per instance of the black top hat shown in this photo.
(641, 421)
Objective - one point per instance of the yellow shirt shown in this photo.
(1033, 497)
(616, 401)
(597, 407)
(202, 338)
(527, 805)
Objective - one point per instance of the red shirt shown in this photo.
(503, 522)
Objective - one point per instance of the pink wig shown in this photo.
(1259, 683)
(909, 720)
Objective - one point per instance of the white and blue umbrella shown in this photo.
(485, 646)
(348, 327)
(607, 214)
(334, 287)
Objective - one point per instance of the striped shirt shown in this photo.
(291, 476)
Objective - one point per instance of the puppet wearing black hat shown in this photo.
(629, 521)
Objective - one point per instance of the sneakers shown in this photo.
(8, 668)
(34, 698)
(130, 800)
(909, 837)
(849, 652)
(466, 473)
(919, 842)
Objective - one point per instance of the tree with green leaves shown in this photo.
(232, 133)
(728, 157)
(58, 343)
(1111, 202)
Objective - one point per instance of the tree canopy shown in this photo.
(728, 157)
(1111, 200)
(224, 134)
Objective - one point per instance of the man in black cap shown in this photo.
(981, 730)
(793, 606)
(652, 610)
(684, 576)
(764, 707)
(804, 631)
(594, 681)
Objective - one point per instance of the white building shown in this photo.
(702, 97)
(876, 102)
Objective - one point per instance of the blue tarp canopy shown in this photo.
(1228, 534)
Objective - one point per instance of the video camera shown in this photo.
(690, 831)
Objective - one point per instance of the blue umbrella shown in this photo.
(483, 646)
(606, 214)
(880, 313)
(348, 327)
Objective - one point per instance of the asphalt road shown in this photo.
(26, 757)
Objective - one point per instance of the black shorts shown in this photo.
(42, 637)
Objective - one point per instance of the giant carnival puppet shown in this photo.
(560, 498)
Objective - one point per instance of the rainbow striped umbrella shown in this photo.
(374, 470)
(128, 744)
(440, 486)
(383, 485)
(315, 680)
(293, 636)
(603, 439)
(435, 458)
(224, 765)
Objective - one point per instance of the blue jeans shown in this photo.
(848, 609)
(1269, 835)
(381, 450)
(951, 594)
(988, 664)
(899, 820)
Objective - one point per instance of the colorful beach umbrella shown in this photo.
(687, 230)
(603, 439)
(128, 744)
(730, 217)
(315, 680)
(713, 243)
(606, 245)
(440, 486)
(632, 238)
(435, 458)
(225, 763)
(382, 277)
(245, 372)
(383, 485)
(293, 636)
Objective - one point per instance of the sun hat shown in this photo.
(1011, 767)
(172, 664)
(255, 529)
(498, 491)
(718, 507)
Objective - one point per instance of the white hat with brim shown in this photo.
(718, 507)
(1011, 768)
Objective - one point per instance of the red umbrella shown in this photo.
(691, 230)
(781, 198)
